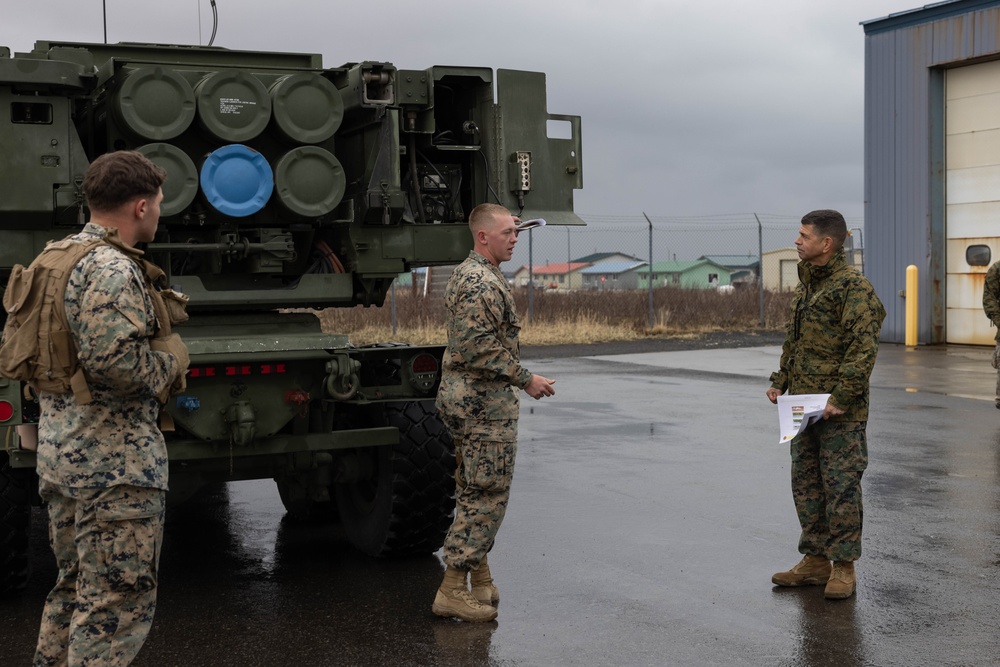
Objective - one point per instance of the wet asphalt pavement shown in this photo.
(651, 504)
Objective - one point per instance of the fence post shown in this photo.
(760, 268)
(393, 299)
(531, 281)
(569, 260)
(650, 269)
(861, 242)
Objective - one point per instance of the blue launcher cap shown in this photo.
(188, 403)
(236, 180)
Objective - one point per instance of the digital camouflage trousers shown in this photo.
(107, 547)
(484, 468)
(996, 364)
(828, 459)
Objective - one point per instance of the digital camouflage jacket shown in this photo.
(481, 375)
(832, 337)
(114, 439)
(991, 296)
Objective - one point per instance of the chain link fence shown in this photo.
(707, 271)
(748, 253)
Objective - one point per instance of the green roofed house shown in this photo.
(742, 268)
(696, 273)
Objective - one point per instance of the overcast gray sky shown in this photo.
(689, 108)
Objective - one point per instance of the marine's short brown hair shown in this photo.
(116, 178)
(483, 215)
(827, 222)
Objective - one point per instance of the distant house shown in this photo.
(562, 276)
(697, 273)
(611, 275)
(742, 268)
(780, 269)
(598, 257)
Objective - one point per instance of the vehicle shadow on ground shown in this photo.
(243, 584)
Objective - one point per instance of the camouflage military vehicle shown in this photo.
(291, 186)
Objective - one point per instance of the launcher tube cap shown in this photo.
(237, 180)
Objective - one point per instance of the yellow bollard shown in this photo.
(912, 295)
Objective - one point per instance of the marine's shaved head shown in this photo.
(494, 232)
(485, 216)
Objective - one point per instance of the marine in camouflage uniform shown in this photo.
(103, 465)
(991, 304)
(830, 348)
(478, 401)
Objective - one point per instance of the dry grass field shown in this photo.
(574, 317)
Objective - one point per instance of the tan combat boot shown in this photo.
(453, 600)
(810, 571)
(483, 588)
(842, 583)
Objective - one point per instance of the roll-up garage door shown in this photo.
(972, 162)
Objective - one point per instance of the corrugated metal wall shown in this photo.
(904, 148)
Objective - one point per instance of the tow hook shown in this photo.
(342, 377)
(242, 423)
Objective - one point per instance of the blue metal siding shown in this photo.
(952, 41)
(904, 150)
(938, 11)
(987, 33)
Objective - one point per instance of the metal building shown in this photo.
(932, 164)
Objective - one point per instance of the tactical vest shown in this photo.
(38, 345)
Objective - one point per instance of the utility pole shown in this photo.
(760, 268)
(569, 260)
(650, 269)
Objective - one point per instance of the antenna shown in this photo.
(215, 22)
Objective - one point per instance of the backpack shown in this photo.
(38, 345)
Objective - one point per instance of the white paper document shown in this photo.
(796, 411)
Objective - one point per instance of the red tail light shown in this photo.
(241, 370)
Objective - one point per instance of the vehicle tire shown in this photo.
(17, 488)
(407, 507)
(298, 504)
